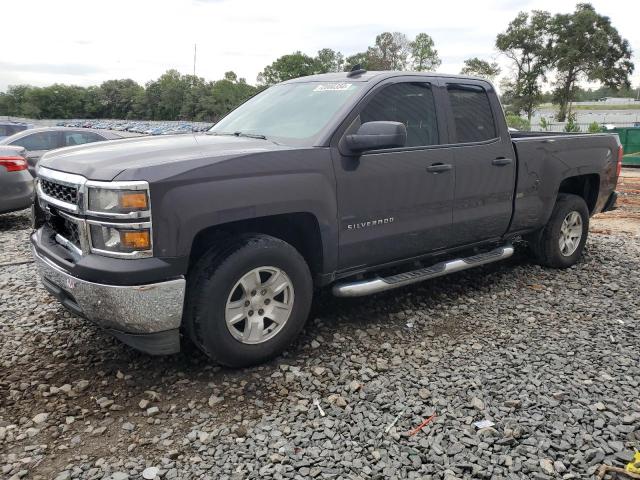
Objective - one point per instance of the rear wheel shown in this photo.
(248, 298)
(560, 243)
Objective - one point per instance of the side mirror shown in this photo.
(376, 135)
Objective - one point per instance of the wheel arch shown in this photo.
(586, 186)
(300, 229)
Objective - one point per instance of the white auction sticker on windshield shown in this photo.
(333, 87)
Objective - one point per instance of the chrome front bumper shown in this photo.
(125, 311)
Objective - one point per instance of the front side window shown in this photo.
(293, 113)
(472, 113)
(409, 103)
(38, 141)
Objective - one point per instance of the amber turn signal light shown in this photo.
(136, 239)
(133, 200)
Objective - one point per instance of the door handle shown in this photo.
(502, 161)
(439, 167)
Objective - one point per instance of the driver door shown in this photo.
(396, 203)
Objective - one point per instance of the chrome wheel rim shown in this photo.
(570, 234)
(259, 305)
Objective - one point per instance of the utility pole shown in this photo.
(195, 46)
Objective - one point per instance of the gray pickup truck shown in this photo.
(362, 181)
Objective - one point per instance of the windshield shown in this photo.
(293, 113)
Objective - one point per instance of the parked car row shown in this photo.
(22, 145)
(37, 141)
(146, 128)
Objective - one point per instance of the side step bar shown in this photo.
(375, 285)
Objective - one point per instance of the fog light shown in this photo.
(135, 239)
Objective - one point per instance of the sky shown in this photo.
(86, 42)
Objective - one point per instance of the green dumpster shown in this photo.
(630, 139)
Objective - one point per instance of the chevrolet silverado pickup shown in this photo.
(360, 182)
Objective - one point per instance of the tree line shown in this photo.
(173, 96)
(543, 50)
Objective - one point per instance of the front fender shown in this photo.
(299, 181)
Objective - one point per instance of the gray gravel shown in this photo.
(552, 358)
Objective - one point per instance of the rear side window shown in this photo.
(7, 130)
(38, 141)
(78, 138)
(408, 103)
(472, 113)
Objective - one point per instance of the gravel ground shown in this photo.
(550, 357)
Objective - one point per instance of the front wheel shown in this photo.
(248, 299)
(560, 243)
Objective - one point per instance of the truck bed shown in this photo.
(545, 157)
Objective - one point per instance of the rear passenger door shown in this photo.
(484, 163)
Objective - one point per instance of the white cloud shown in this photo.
(85, 43)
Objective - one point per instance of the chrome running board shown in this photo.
(380, 284)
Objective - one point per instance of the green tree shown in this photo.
(517, 122)
(4, 103)
(424, 56)
(196, 89)
(527, 43)
(92, 104)
(369, 60)
(60, 101)
(231, 76)
(219, 98)
(393, 49)
(16, 98)
(294, 65)
(544, 124)
(118, 97)
(587, 46)
(480, 68)
(594, 127)
(572, 126)
(328, 60)
(390, 52)
(166, 95)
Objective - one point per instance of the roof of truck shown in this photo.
(366, 76)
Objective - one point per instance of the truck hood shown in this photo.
(105, 160)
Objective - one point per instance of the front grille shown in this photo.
(60, 192)
(65, 228)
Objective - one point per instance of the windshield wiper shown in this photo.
(250, 135)
(240, 134)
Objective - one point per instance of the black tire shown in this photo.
(545, 244)
(210, 285)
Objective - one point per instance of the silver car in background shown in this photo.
(38, 141)
(16, 183)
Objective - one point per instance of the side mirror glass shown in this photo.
(377, 135)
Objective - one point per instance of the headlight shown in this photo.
(122, 240)
(120, 202)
